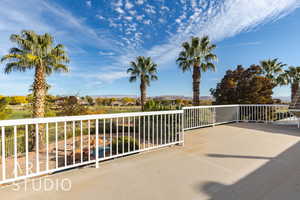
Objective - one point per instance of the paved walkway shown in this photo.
(228, 162)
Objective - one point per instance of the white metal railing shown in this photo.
(202, 116)
(264, 112)
(33, 147)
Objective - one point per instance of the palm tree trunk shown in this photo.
(39, 93)
(196, 85)
(143, 94)
(294, 90)
(39, 101)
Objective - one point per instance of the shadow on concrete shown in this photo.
(269, 128)
(238, 156)
(278, 179)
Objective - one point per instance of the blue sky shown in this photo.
(102, 36)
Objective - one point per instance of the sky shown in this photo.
(103, 36)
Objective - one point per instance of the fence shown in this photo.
(54, 144)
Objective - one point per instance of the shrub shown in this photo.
(16, 100)
(127, 140)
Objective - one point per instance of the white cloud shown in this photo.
(111, 76)
(161, 20)
(106, 53)
(248, 43)
(147, 21)
(118, 3)
(140, 17)
(119, 10)
(132, 12)
(164, 8)
(88, 4)
(128, 5)
(178, 20)
(150, 9)
(100, 17)
(140, 2)
(223, 20)
(107, 76)
(129, 18)
(193, 3)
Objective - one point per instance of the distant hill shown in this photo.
(285, 99)
(113, 96)
(165, 97)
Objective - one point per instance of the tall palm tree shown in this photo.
(197, 55)
(291, 76)
(271, 68)
(144, 69)
(36, 52)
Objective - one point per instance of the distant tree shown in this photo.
(70, 106)
(90, 100)
(4, 111)
(197, 55)
(226, 91)
(244, 86)
(271, 69)
(291, 76)
(36, 52)
(186, 102)
(16, 100)
(99, 101)
(206, 102)
(155, 105)
(145, 70)
(178, 101)
(127, 100)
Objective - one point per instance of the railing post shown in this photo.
(3, 153)
(266, 107)
(214, 116)
(238, 114)
(97, 143)
(182, 127)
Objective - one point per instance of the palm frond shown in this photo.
(142, 68)
(197, 53)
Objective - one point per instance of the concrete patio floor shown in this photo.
(228, 162)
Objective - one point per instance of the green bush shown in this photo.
(153, 105)
(127, 140)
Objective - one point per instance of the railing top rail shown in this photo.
(280, 105)
(234, 105)
(294, 110)
(17, 122)
(210, 106)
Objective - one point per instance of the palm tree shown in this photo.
(145, 70)
(197, 55)
(271, 69)
(291, 76)
(36, 52)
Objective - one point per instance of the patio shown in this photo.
(232, 161)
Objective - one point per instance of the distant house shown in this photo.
(130, 104)
(116, 103)
(83, 102)
(59, 100)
